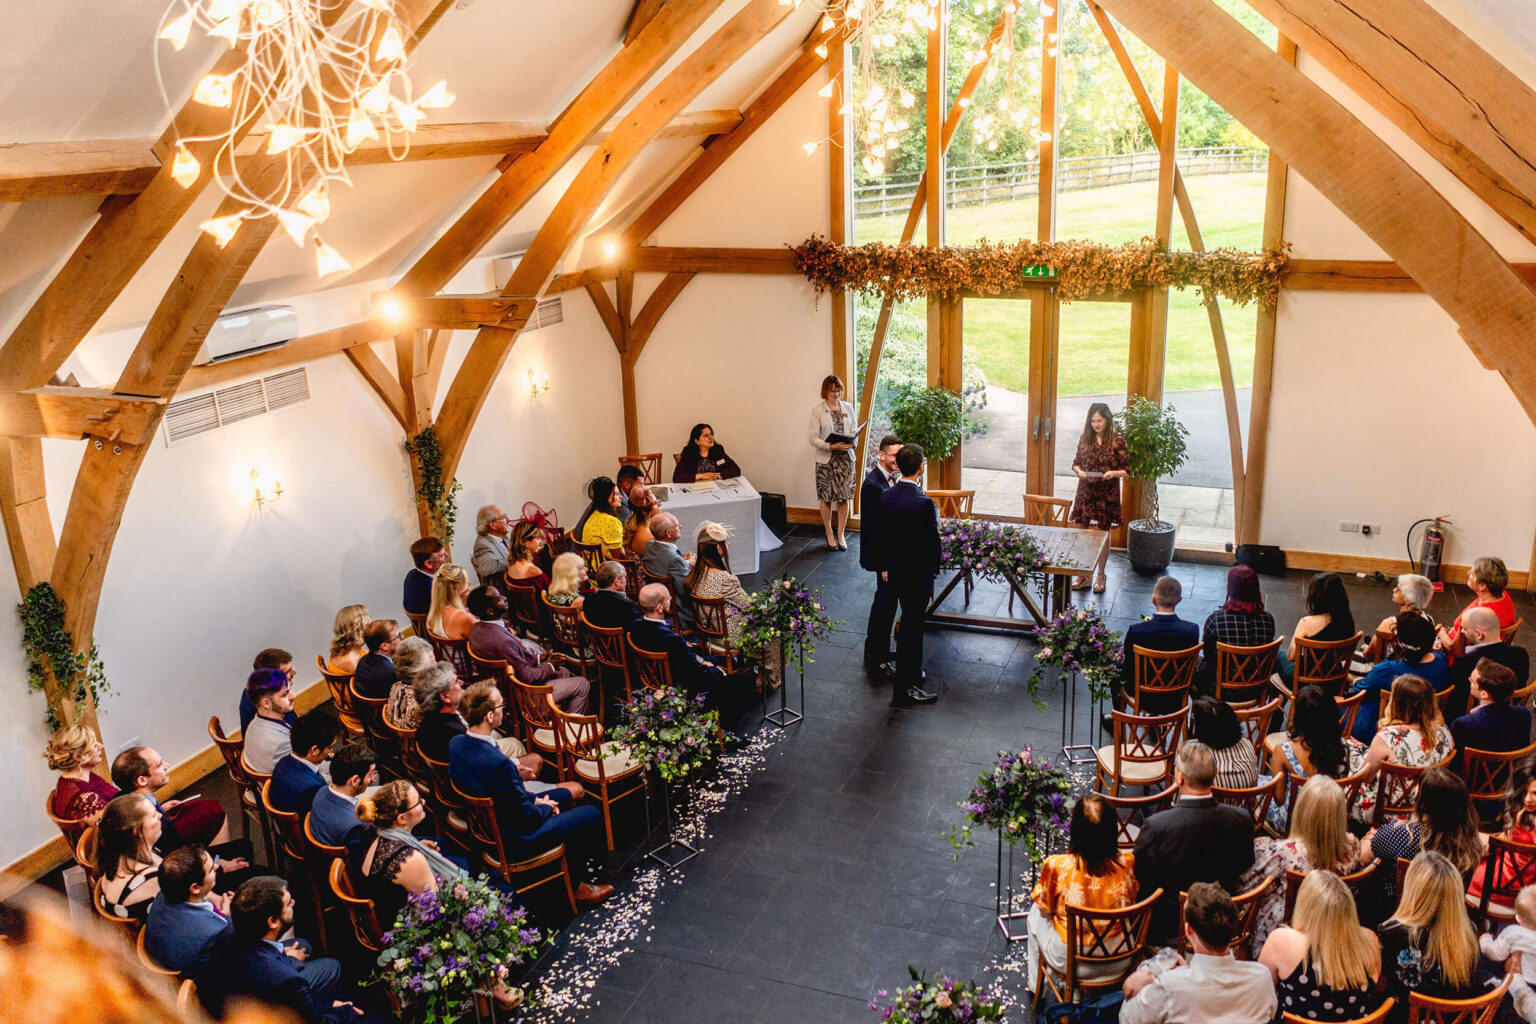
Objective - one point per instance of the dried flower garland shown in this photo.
(1082, 268)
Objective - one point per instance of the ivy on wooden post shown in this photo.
(53, 658)
(435, 497)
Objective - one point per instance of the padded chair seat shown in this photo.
(1495, 911)
(617, 761)
(544, 738)
(1133, 773)
(456, 822)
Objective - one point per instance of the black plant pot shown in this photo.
(1149, 544)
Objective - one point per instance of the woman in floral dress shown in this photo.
(712, 577)
(1101, 462)
(1415, 736)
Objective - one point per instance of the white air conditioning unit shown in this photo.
(248, 332)
(503, 266)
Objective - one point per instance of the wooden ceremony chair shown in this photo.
(1242, 673)
(1143, 749)
(1255, 800)
(418, 625)
(124, 927)
(1104, 938)
(456, 653)
(653, 671)
(493, 850)
(1349, 710)
(148, 962)
(360, 910)
(320, 861)
(523, 608)
(340, 685)
(634, 570)
(72, 828)
(289, 826)
(1397, 791)
(1523, 694)
(1132, 811)
(538, 726)
(607, 771)
(1509, 867)
(592, 554)
(186, 998)
(233, 752)
(1041, 510)
(254, 782)
(1507, 634)
(649, 577)
(565, 633)
(370, 711)
(405, 740)
(85, 852)
(1487, 774)
(1247, 904)
(648, 464)
(609, 648)
(1323, 663)
(1376, 1016)
(1161, 678)
(711, 621)
(453, 813)
(954, 504)
(1358, 882)
(1350, 784)
(1424, 1009)
(1255, 719)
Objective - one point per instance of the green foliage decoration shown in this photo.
(1156, 441)
(51, 651)
(431, 490)
(931, 417)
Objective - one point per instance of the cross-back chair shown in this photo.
(486, 830)
(1132, 811)
(1509, 867)
(711, 621)
(1254, 719)
(1349, 710)
(85, 851)
(1358, 882)
(607, 771)
(294, 843)
(523, 607)
(1323, 663)
(1103, 939)
(1254, 800)
(71, 827)
(592, 554)
(1242, 673)
(565, 632)
(666, 581)
(954, 504)
(1508, 633)
(1487, 773)
(1479, 1009)
(1397, 791)
(361, 911)
(648, 464)
(418, 624)
(1376, 1016)
(232, 752)
(1248, 904)
(254, 782)
(609, 651)
(634, 570)
(148, 962)
(538, 724)
(1143, 749)
(340, 685)
(456, 653)
(454, 815)
(370, 710)
(652, 671)
(1042, 510)
(1350, 784)
(1161, 679)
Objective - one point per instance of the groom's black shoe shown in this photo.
(914, 696)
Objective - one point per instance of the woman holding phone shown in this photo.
(834, 462)
(1102, 461)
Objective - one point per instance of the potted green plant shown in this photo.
(1156, 441)
(931, 417)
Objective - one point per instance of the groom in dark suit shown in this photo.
(909, 544)
(882, 612)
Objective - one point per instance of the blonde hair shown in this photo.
(565, 573)
(1491, 573)
(1433, 905)
(446, 585)
(347, 629)
(67, 747)
(1341, 954)
(1525, 906)
(386, 804)
(1321, 822)
(1412, 702)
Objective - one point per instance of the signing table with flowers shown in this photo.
(1013, 553)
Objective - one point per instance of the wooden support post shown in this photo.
(1250, 522)
(1044, 309)
(1167, 144)
(837, 179)
(933, 166)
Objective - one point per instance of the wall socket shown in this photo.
(1371, 529)
(1348, 526)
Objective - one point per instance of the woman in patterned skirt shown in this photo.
(834, 462)
(1101, 462)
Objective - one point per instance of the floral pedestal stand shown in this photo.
(1077, 753)
(784, 716)
(674, 852)
(1013, 906)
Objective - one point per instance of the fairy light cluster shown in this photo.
(310, 86)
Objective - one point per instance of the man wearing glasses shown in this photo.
(492, 526)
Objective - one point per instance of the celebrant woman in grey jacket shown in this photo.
(835, 477)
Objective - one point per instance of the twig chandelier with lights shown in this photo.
(316, 79)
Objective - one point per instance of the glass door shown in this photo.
(1092, 366)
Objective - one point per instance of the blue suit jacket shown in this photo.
(481, 769)
(242, 967)
(871, 556)
(182, 936)
(1159, 633)
(658, 636)
(331, 818)
(909, 534)
(294, 785)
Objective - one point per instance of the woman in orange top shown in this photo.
(1093, 873)
(1487, 579)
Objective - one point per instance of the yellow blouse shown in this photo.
(1063, 877)
(603, 528)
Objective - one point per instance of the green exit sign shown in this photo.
(1039, 271)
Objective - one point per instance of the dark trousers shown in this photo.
(882, 614)
(579, 828)
(913, 595)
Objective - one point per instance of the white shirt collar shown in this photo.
(340, 795)
(307, 763)
(487, 737)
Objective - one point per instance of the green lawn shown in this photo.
(1095, 335)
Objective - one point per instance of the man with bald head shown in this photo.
(662, 558)
(1480, 627)
(691, 671)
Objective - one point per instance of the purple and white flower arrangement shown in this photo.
(788, 613)
(995, 551)
(1024, 799)
(668, 730)
(1078, 640)
(946, 1001)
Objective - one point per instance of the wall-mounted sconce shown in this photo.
(535, 386)
(271, 497)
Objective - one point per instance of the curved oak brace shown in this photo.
(1358, 172)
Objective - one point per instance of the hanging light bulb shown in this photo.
(296, 224)
(177, 31)
(408, 116)
(827, 24)
(267, 12)
(214, 90)
(316, 205)
(185, 168)
(826, 90)
(391, 46)
(376, 100)
(284, 137)
(436, 97)
(810, 147)
(222, 229)
(359, 127)
(328, 260)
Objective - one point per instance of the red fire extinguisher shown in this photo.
(1431, 548)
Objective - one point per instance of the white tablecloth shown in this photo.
(736, 503)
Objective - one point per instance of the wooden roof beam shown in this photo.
(1468, 111)
(468, 312)
(639, 17)
(74, 413)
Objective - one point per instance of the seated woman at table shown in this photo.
(637, 528)
(1328, 618)
(1487, 579)
(1414, 736)
(602, 516)
(1411, 593)
(523, 549)
(703, 459)
(1413, 654)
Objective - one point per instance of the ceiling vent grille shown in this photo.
(546, 314)
(192, 416)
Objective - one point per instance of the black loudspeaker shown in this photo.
(775, 513)
(1262, 558)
